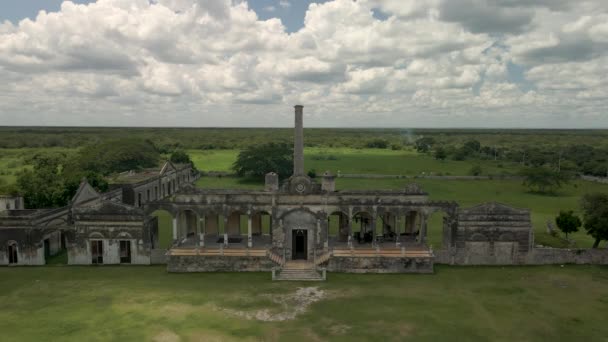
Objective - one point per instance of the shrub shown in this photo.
(475, 170)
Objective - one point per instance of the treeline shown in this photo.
(575, 158)
(55, 177)
(168, 139)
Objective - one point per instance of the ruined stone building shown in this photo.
(108, 228)
(297, 228)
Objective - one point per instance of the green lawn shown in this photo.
(456, 303)
(350, 160)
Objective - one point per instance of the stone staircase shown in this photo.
(298, 270)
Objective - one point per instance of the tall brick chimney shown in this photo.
(298, 145)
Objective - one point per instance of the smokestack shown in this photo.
(298, 146)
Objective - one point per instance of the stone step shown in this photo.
(291, 274)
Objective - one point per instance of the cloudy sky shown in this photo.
(364, 63)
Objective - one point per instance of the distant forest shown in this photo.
(576, 151)
(239, 138)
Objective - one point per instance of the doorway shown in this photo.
(97, 252)
(125, 252)
(47, 248)
(299, 240)
(12, 254)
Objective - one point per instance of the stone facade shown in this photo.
(11, 203)
(380, 265)
(219, 264)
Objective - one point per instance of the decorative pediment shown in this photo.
(168, 167)
(85, 193)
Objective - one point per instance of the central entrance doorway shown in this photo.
(299, 241)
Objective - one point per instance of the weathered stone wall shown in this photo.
(28, 253)
(536, 256)
(379, 265)
(487, 228)
(158, 257)
(545, 256)
(81, 254)
(218, 264)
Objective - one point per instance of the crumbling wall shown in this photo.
(219, 264)
(380, 265)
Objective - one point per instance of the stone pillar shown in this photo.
(271, 182)
(318, 234)
(198, 232)
(203, 230)
(249, 238)
(423, 219)
(398, 230)
(349, 223)
(298, 146)
(175, 227)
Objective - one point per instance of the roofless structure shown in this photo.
(297, 228)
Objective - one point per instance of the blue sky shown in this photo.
(364, 63)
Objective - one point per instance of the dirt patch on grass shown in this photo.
(166, 336)
(290, 305)
(339, 329)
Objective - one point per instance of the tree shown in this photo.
(475, 170)
(424, 144)
(180, 157)
(53, 180)
(472, 146)
(43, 186)
(567, 222)
(440, 153)
(258, 160)
(595, 216)
(377, 143)
(542, 179)
(118, 156)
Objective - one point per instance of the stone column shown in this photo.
(198, 232)
(349, 222)
(298, 148)
(249, 238)
(203, 230)
(175, 227)
(398, 229)
(318, 234)
(423, 219)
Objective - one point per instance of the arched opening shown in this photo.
(261, 228)
(363, 227)
(187, 227)
(236, 226)
(12, 253)
(436, 229)
(337, 228)
(213, 229)
(162, 233)
(411, 229)
(389, 227)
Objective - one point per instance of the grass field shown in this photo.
(374, 161)
(457, 303)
